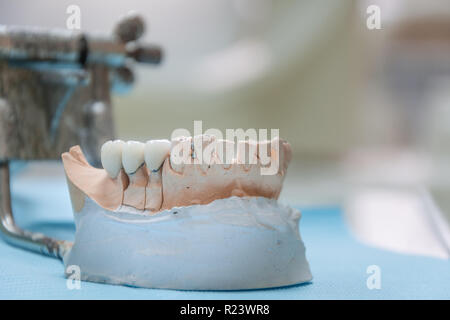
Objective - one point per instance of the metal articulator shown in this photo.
(55, 92)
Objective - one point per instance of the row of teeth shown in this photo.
(130, 155)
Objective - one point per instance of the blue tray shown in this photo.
(338, 262)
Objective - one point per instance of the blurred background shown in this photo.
(367, 112)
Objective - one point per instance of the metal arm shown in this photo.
(18, 237)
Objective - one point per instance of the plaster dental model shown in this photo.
(174, 214)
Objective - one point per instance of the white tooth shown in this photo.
(155, 152)
(132, 156)
(111, 157)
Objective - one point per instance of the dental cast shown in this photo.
(159, 214)
(153, 179)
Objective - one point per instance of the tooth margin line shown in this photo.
(148, 186)
(160, 166)
(140, 166)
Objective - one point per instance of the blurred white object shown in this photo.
(235, 66)
(401, 220)
(256, 54)
(401, 10)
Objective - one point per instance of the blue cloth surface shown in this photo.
(338, 262)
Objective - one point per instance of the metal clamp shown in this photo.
(55, 92)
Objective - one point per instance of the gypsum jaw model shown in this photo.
(147, 221)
